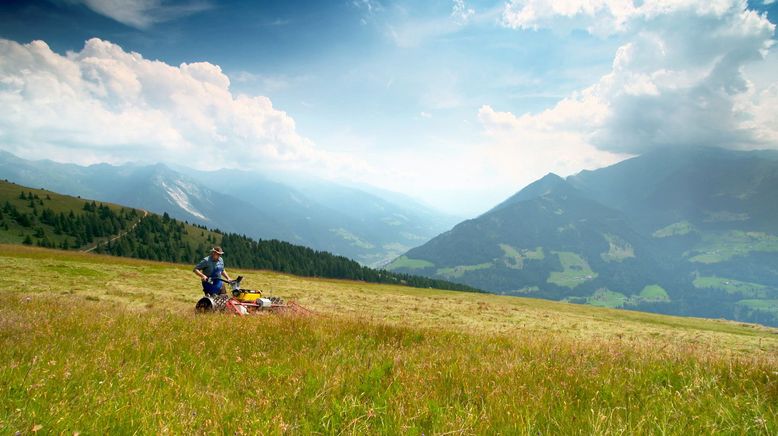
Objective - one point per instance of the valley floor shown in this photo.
(98, 344)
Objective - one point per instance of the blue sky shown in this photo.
(458, 103)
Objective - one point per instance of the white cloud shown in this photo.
(369, 7)
(604, 16)
(535, 14)
(103, 104)
(678, 79)
(527, 147)
(460, 12)
(143, 14)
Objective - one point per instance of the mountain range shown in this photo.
(368, 227)
(690, 231)
(684, 231)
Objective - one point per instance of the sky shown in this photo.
(457, 103)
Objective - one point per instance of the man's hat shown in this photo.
(217, 250)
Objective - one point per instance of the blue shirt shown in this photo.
(210, 268)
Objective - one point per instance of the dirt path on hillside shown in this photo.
(122, 234)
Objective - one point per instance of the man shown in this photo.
(211, 270)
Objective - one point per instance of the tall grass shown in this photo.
(145, 284)
(75, 365)
(97, 344)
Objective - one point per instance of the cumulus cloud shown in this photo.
(103, 104)
(604, 16)
(142, 14)
(536, 14)
(678, 78)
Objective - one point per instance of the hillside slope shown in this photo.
(47, 219)
(513, 247)
(322, 215)
(369, 361)
(688, 232)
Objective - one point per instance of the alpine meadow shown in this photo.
(94, 342)
(389, 217)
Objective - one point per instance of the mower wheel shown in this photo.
(204, 305)
(212, 303)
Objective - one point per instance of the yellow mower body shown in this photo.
(249, 297)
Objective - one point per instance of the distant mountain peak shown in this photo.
(550, 177)
(548, 184)
(682, 230)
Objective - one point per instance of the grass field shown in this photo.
(96, 344)
(460, 270)
(760, 304)
(654, 293)
(618, 249)
(15, 234)
(675, 229)
(768, 306)
(718, 247)
(746, 289)
(58, 203)
(406, 262)
(607, 298)
(514, 258)
(575, 270)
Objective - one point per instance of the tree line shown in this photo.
(276, 255)
(44, 227)
(165, 239)
(157, 238)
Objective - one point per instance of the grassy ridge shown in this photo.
(100, 344)
(46, 219)
(58, 203)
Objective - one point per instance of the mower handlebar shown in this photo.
(231, 282)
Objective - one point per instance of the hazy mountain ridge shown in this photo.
(690, 232)
(359, 225)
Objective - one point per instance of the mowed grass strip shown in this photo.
(75, 365)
